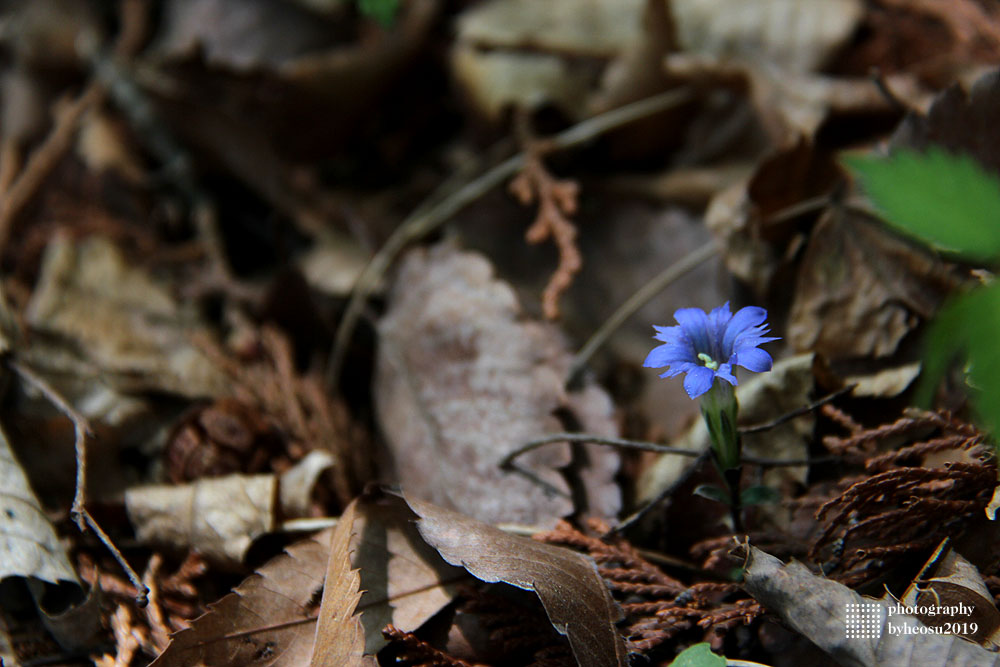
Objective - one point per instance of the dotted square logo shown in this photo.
(864, 620)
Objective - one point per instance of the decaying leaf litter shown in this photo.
(287, 287)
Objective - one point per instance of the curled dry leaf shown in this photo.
(462, 380)
(575, 597)
(222, 516)
(816, 607)
(29, 546)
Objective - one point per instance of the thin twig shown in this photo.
(432, 217)
(81, 429)
(788, 416)
(142, 593)
(507, 462)
(45, 158)
(645, 293)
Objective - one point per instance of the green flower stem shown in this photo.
(719, 408)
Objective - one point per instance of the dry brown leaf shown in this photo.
(222, 516)
(949, 579)
(269, 619)
(340, 637)
(575, 597)
(960, 121)
(861, 290)
(29, 546)
(405, 581)
(461, 381)
(130, 328)
(816, 607)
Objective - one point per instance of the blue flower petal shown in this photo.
(754, 359)
(677, 369)
(698, 381)
(694, 322)
(726, 373)
(717, 321)
(744, 319)
(747, 342)
(665, 355)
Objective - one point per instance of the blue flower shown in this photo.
(709, 345)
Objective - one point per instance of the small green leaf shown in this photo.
(383, 11)
(971, 325)
(712, 492)
(948, 201)
(759, 495)
(699, 655)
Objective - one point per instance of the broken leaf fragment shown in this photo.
(573, 594)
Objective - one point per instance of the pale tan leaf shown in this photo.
(127, 325)
(340, 637)
(269, 619)
(817, 607)
(799, 36)
(29, 546)
(462, 380)
(575, 597)
(220, 517)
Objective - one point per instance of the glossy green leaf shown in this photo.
(948, 201)
(699, 655)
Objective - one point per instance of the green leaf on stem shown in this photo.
(713, 492)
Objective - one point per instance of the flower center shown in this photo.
(709, 361)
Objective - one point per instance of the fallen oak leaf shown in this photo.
(572, 592)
